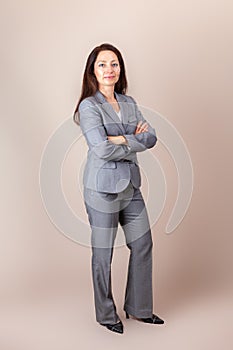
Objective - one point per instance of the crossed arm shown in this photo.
(122, 140)
(114, 147)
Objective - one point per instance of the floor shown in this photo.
(64, 322)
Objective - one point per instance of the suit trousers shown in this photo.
(105, 211)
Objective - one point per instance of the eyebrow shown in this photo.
(105, 61)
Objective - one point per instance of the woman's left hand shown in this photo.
(141, 127)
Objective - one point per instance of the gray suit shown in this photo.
(112, 194)
(105, 169)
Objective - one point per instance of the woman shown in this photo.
(115, 130)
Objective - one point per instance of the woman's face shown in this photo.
(107, 68)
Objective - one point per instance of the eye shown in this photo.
(100, 65)
(115, 64)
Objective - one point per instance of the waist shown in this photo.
(125, 160)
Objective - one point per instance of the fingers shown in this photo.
(117, 140)
(141, 127)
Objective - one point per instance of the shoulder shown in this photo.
(127, 98)
(87, 103)
(92, 101)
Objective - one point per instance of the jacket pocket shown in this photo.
(109, 165)
(132, 119)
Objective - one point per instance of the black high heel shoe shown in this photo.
(117, 327)
(154, 319)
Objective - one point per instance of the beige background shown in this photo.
(178, 58)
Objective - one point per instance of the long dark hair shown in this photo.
(90, 83)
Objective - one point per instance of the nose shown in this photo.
(109, 69)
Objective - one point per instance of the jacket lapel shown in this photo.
(122, 100)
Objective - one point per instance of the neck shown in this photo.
(108, 92)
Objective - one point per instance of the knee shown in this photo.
(142, 246)
(101, 256)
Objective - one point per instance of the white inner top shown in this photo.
(119, 114)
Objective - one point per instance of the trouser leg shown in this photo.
(103, 232)
(135, 224)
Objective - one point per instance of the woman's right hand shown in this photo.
(141, 127)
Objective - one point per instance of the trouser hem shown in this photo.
(138, 313)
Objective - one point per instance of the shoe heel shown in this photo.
(126, 314)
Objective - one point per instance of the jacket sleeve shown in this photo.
(95, 134)
(141, 142)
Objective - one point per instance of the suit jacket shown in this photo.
(109, 167)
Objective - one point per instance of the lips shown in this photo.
(110, 76)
